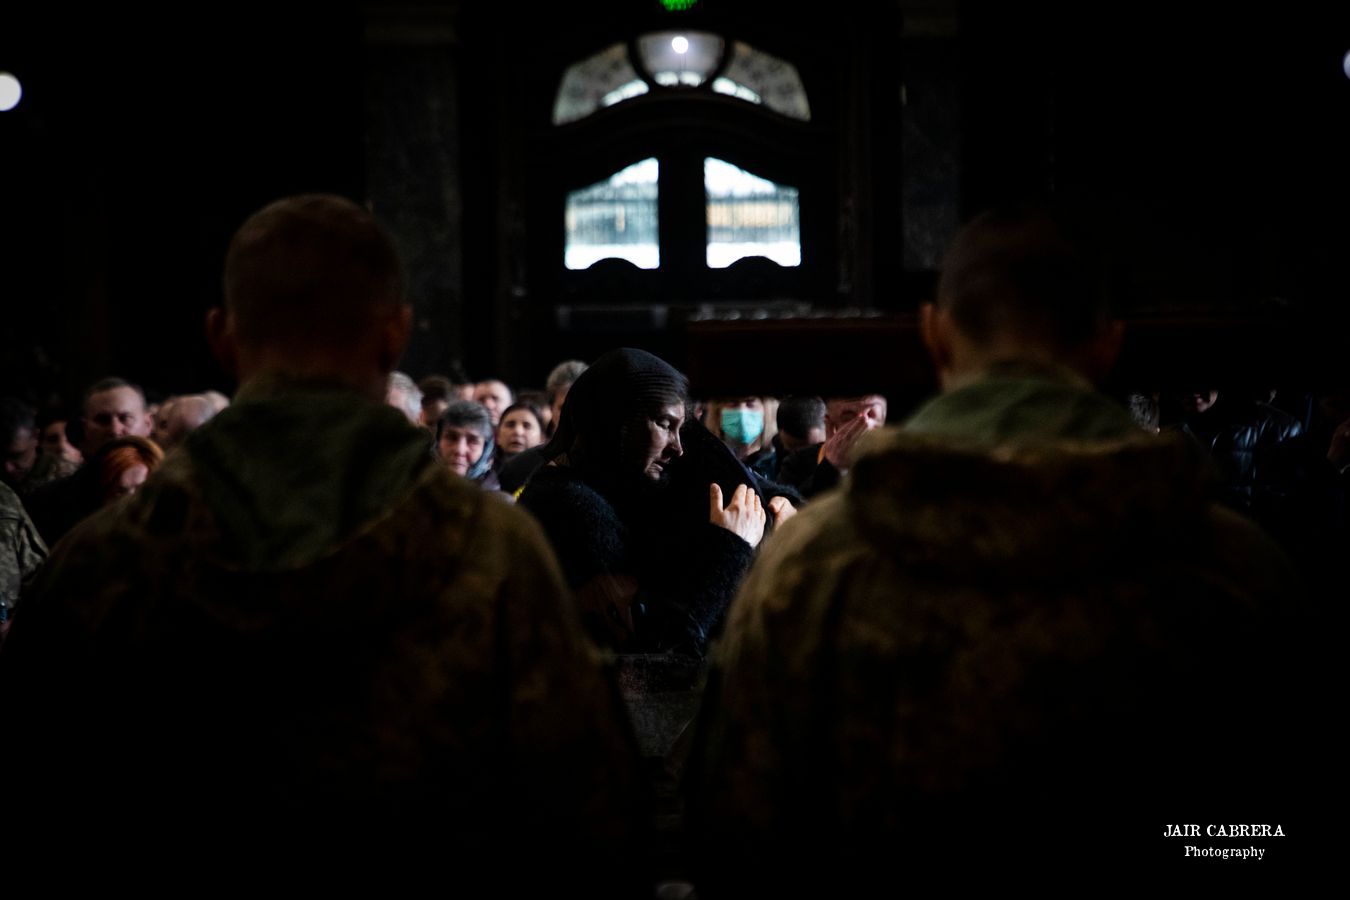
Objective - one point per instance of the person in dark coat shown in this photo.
(653, 519)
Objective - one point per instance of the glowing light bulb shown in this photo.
(680, 44)
(10, 92)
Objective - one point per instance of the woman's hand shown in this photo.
(743, 516)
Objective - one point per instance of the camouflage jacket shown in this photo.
(408, 683)
(986, 645)
(21, 549)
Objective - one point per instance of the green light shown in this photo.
(678, 5)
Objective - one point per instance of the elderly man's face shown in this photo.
(652, 442)
(112, 414)
(495, 397)
(842, 410)
(460, 447)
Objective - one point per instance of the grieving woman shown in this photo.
(654, 534)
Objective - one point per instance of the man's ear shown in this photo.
(220, 337)
(935, 330)
(395, 330)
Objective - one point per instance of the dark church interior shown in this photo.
(760, 194)
(1207, 149)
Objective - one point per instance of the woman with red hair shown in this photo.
(124, 464)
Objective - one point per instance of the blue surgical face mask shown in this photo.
(742, 426)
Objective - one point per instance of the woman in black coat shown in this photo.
(653, 520)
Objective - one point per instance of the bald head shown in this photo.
(179, 416)
(313, 287)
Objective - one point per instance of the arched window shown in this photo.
(750, 216)
(758, 77)
(680, 60)
(600, 80)
(615, 219)
(677, 171)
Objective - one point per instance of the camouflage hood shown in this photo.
(288, 471)
(1047, 468)
(1025, 512)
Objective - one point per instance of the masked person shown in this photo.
(741, 425)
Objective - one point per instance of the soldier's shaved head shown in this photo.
(313, 268)
(313, 290)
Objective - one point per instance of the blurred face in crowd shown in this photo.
(129, 482)
(179, 417)
(842, 410)
(460, 447)
(495, 397)
(431, 412)
(519, 430)
(791, 444)
(652, 442)
(54, 442)
(112, 414)
(162, 417)
(20, 455)
(1198, 401)
(559, 397)
(399, 400)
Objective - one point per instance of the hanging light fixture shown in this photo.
(681, 58)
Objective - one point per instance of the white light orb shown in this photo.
(10, 92)
(680, 44)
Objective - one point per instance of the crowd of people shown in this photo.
(389, 611)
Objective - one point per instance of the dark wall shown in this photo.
(1206, 152)
(1206, 147)
(413, 163)
(139, 147)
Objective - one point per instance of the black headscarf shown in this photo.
(617, 387)
(663, 525)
